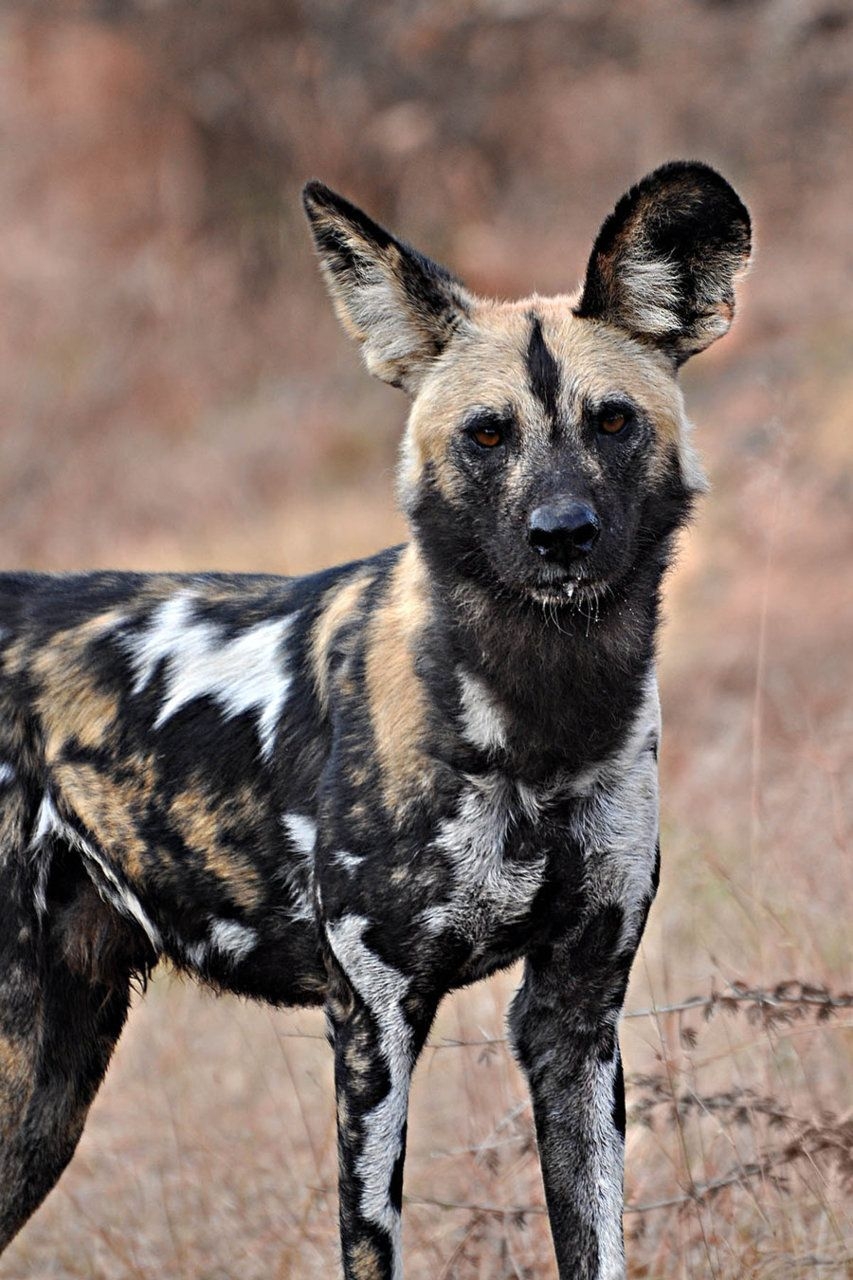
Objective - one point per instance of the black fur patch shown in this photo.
(395, 1191)
(619, 1116)
(543, 372)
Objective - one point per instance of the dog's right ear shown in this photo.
(402, 307)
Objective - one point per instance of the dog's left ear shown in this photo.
(402, 307)
(664, 263)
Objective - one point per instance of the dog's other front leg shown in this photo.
(564, 1027)
(378, 1026)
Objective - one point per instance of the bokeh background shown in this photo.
(176, 394)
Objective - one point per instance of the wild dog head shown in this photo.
(547, 450)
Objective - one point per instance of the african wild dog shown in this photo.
(370, 786)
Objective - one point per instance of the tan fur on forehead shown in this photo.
(485, 367)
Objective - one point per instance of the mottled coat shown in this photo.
(367, 787)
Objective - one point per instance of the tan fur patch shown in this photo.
(107, 807)
(339, 606)
(13, 817)
(365, 1262)
(395, 694)
(342, 1111)
(357, 1060)
(71, 705)
(199, 821)
(85, 716)
(17, 1081)
(14, 1060)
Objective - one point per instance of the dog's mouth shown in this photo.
(572, 593)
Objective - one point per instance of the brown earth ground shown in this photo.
(176, 395)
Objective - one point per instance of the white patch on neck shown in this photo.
(302, 831)
(247, 672)
(48, 823)
(348, 861)
(482, 722)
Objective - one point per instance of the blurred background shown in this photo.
(176, 394)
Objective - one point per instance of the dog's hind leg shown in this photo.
(60, 1017)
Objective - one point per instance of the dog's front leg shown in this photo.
(566, 1042)
(378, 1026)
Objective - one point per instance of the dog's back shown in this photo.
(167, 733)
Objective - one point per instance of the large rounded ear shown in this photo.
(399, 305)
(664, 263)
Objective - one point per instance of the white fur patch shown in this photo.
(482, 722)
(349, 861)
(382, 989)
(243, 673)
(300, 877)
(302, 831)
(649, 294)
(604, 1192)
(48, 823)
(232, 939)
(618, 826)
(491, 889)
(195, 953)
(7, 774)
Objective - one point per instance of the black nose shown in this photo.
(563, 531)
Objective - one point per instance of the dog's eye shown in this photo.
(488, 436)
(612, 421)
(488, 428)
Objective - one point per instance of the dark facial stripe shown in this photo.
(543, 371)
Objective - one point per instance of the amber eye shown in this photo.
(612, 421)
(488, 437)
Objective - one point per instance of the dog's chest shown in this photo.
(461, 892)
(496, 848)
(531, 860)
